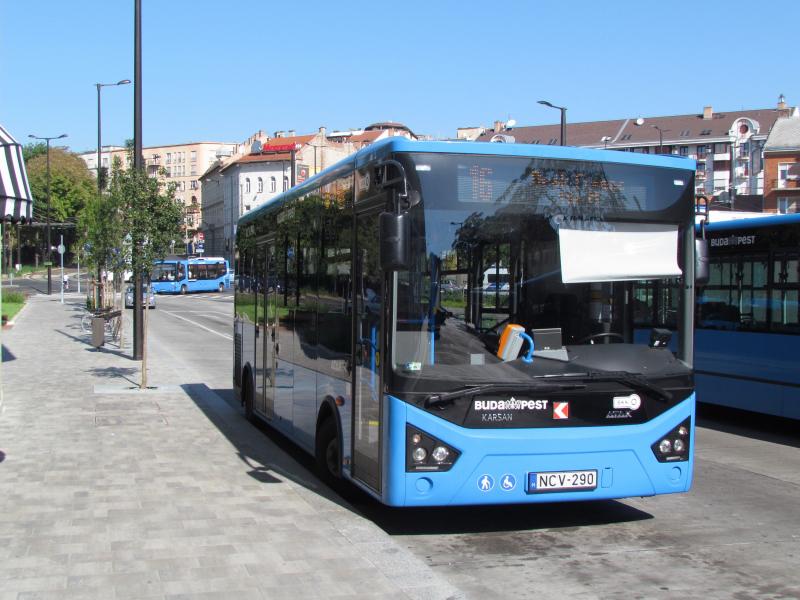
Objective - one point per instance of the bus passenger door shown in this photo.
(368, 305)
(259, 268)
(269, 298)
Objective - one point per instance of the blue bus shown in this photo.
(182, 275)
(363, 330)
(748, 315)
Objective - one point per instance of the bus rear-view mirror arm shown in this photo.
(701, 268)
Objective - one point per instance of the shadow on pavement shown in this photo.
(274, 453)
(487, 519)
(766, 428)
(267, 458)
(7, 355)
(116, 372)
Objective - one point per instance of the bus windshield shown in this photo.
(497, 228)
(166, 271)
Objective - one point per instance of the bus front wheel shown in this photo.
(183, 289)
(329, 461)
(221, 287)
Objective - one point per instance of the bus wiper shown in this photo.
(488, 388)
(633, 380)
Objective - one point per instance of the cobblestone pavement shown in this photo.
(108, 492)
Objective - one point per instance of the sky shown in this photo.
(222, 70)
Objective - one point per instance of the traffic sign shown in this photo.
(61, 248)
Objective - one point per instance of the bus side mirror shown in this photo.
(701, 270)
(394, 232)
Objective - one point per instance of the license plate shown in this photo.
(559, 481)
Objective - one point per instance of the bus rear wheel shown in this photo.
(184, 289)
(247, 397)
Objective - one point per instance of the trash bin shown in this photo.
(98, 331)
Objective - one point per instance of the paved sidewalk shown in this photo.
(163, 494)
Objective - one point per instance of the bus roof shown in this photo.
(390, 145)
(768, 220)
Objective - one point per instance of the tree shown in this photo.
(151, 220)
(71, 183)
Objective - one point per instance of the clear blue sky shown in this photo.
(222, 70)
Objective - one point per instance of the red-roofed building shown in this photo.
(270, 166)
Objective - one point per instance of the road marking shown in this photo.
(227, 337)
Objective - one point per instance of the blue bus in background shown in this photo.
(183, 275)
(351, 340)
(748, 315)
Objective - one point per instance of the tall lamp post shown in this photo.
(49, 248)
(99, 137)
(661, 133)
(563, 110)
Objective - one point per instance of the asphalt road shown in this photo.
(735, 535)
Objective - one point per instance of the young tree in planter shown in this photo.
(151, 220)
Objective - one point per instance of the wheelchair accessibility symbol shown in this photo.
(485, 483)
(507, 482)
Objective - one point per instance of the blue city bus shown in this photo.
(748, 316)
(363, 330)
(182, 275)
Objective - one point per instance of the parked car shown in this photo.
(129, 297)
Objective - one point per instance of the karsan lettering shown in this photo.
(734, 240)
(511, 404)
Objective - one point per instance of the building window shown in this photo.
(705, 132)
(193, 184)
(720, 148)
(702, 150)
(285, 183)
(272, 184)
(626, 137)
(787, 205)
(247, 186)
(169, 158)
(194, 169)
(684, 151)
(260, 185)
(646, 150)
(194, 156)
(783, 174)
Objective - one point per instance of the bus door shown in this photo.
(368, 305)
(267, 303)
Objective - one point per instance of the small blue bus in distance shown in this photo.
(182, 275)
(365, 333)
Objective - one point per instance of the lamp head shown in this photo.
(546, 103)
(63, 135)
(123, 81)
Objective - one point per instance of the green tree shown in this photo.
(71, 183)
(151, 219)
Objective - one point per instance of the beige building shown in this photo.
(181, 164)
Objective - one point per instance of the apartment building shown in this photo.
(782, 167)
(181, 164)
(250, 180)
(728, 146)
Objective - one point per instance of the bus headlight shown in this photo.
(419, 455)
(674, 445)
(426, 453)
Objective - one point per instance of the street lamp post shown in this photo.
(661, 133)
(99, 146)
(563, 110)
(49, 249)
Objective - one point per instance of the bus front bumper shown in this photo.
(494, 466)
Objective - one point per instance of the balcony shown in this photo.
(789, 183)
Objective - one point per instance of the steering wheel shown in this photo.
(598, 336)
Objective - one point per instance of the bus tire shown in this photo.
(247, 396)
(183, 289)
(221, 287)
(328, 454)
